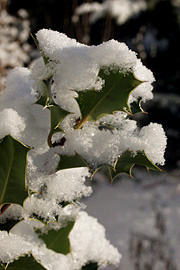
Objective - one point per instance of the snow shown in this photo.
(72, 66)
(89, 144)
(126, 209)
(90, 245)
(121, 10)
(11, 123)
(10, 250)
(62, 186)
(67, 54)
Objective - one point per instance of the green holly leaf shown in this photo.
(58, 240)
(45, 58)
(68, 162)
(127, 160)
(112, 97)
(13, 164)
(123, 164)
(25, 263)
(57, 114)
(90, 266)
(45, 99)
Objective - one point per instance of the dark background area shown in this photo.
(154, 34)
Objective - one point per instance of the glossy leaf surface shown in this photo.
(13, 164)
(57, 114)
(68, 162)
(58, 240)
(112, 97)
(123, 164)
(128, 160)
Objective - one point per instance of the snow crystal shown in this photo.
(42, 208)
(12, 246)
(154, 140)
(18, 96)
(68, 185)
(90, 244)
(89, 144)
(62, 186)
(52, 260)
(13, 212)
(11, 123)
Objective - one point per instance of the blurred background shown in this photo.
(141, 216)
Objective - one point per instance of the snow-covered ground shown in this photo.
(127, 207)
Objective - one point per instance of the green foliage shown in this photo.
(113, 96)
(13, 188)
(123, 164)
(45, 58)
(57, 114)
(24, 263)
(67, 162)
(93, 105)
(126, 162)
(58, 240)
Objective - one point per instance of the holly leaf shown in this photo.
(58, 240)
(90, 266)
(45, 99)
(123, 164)
(127, 160)
(112, 97)
(45, 58)
(13, 164)
(57, 114)
(68, 162)
(25, 263)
